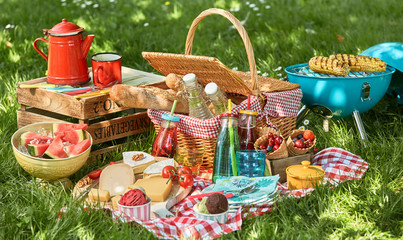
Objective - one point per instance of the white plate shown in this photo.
(127, 158)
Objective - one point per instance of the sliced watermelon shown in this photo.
(78, 148)
(71, 136)
(29, 137)
(61, 127)
(37, 150)
(56, 149)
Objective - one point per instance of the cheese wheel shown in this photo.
(116, 178)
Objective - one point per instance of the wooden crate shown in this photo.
(103, 116)
(278, 166)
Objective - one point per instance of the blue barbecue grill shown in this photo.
(340, 96)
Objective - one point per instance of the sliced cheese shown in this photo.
(116, 178)
(156, 187)
(156, 168)
(115, 200)
(99, 195)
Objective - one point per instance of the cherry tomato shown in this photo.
(186, 181)
(95, 174)
(111, 163)
(184, 170)
(168, 172)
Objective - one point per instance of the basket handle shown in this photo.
(242, 32)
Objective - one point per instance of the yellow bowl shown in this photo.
(47, 169)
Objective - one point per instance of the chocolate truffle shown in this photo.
(217, 203)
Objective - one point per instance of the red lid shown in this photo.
(64, 29)
(228, 115)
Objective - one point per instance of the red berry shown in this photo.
(270, 135)
(315, 150)
(271, 142)
(278, 140)
(275, 147)
(263, 147)
(275, 135)
(299, 144)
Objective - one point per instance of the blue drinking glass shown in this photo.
(251, 163)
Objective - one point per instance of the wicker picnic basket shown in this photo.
(234, 83)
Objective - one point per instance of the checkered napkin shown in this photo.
(185, 224)
(339, 165)
(282, 104)
(279, 104)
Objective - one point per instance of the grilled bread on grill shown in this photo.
(330, 66)
(361, 63)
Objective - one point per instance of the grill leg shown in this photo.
(360, 127)
(302, 113)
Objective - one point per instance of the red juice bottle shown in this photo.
(166, 140)
(247, 129)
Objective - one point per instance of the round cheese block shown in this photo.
(116, 178)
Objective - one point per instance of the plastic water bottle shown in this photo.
(197, 106)
(217, 98)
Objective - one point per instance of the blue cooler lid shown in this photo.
(170, 118)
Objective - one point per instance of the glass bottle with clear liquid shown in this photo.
(197, 106)
(217, 98)
(224, 150)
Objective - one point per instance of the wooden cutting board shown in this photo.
(158, 209)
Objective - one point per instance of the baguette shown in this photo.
(146, 98)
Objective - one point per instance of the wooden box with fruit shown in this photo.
(103, 116)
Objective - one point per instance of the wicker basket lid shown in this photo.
(210, 69)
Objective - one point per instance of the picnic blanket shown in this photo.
(339, 166)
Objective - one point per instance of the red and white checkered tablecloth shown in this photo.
(339, 166)
(279, 104)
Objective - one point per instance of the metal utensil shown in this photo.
(87, 189)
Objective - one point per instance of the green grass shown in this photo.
(287, 33)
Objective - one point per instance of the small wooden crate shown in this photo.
(99, 112)
(278, 166)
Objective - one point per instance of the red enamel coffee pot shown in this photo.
(67, 53)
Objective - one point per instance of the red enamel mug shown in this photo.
(106, 69)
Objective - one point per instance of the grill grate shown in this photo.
(306, 71)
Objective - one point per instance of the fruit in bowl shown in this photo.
(300, 142)
(273, 143)
(52, 151)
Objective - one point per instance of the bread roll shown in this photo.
(174, 82)
(146, 97)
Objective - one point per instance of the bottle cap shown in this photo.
(190, 79)
(228, 115)
(249, 112)
(172, 118)
(211, 88)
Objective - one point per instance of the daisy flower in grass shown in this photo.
(302, 128)
(306, 122)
